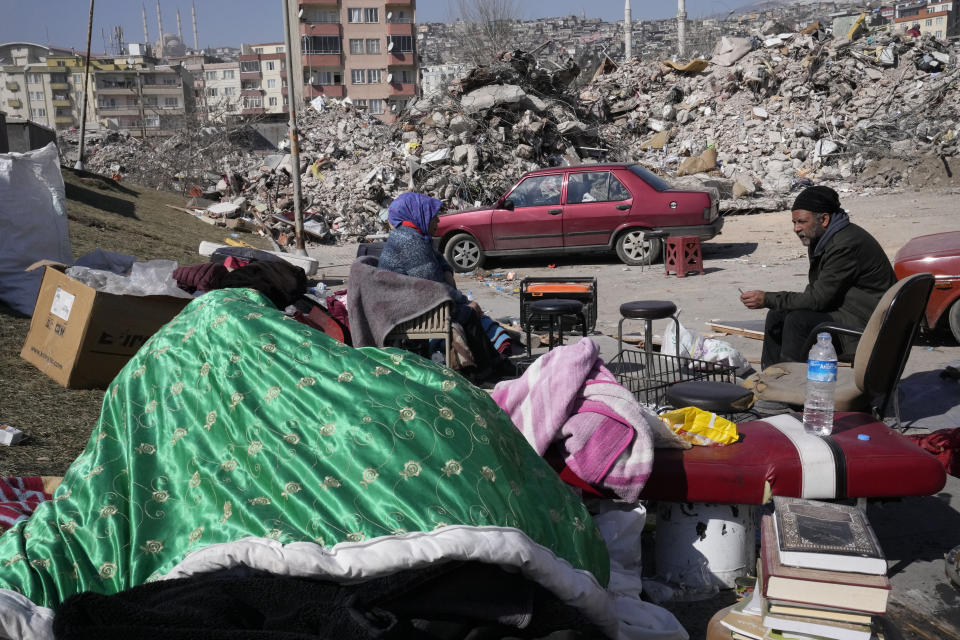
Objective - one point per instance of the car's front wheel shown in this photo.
(464, 253)
(634, 248)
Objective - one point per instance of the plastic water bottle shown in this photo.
(821, 385)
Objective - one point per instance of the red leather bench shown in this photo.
(767, 459)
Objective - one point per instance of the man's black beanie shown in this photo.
(818, 200)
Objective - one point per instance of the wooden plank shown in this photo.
(746, 328)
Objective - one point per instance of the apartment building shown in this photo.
(43, 84)
(150, 101)
(364, 50)
(935, 19)
(263, 79)
(216, 90)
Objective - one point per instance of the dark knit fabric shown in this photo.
(281, 281)
(409, 253)
(818, 200)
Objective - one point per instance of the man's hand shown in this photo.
(752, 299)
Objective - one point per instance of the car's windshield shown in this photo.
(650, 178)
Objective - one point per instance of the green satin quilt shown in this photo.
(236, 421)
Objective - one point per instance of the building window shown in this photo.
(258, 50)
(252, 102)
(356, 46)
(210, 75)
(36, 96)
(61, 63)
(940, 20)
(326, 77)
(272, 101)
(321, 15)
(374, 76)
(77, 78)
(229, 91)
(249, 66)
(376, 106)
(361, 103)
(227, 74)
(401, 44)
(272, 83)
(270, 65)
(929, 22)
(38, 113)
(320, 44)
(354, 15)
(212, 92)
(373, 45)
(171, 102)
(371, 15)
(939, 34)
(34, 78)
(357, 76)
(78, 96)
(398, 17)
(404, 76)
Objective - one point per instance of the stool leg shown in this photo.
(529, 342)
(676, 329)
(583, 324)
(550, 334)
(620, 335)
(559, 331)
(648, 343)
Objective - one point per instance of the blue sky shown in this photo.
(231, 22)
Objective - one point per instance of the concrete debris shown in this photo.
(767, 115)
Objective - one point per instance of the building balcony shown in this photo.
(163, 88)
(399, 3)
(63, 120)
(250, 75)
(61, 103)
(401, 58)
(14, 103)
(253, 93)
(117, 89)
(322, 60)
(118, 110)
(320, 29)
(253, 111)
(319, 3)
(403, 89)
(399, 29)
(13, 86)
(330, 90)
(59, 86)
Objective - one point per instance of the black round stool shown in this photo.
(554, 309)
(648, 311)
(710, 395)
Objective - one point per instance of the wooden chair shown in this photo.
(436, 323)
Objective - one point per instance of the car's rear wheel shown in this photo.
(634, 248)
(464, 253)
(954, 319)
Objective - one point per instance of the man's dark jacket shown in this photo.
(847, 278)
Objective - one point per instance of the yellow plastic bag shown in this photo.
(700, 427)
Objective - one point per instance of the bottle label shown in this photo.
(822, 370)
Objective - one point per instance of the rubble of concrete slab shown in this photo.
(764, 117)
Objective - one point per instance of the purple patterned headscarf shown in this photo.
(417, 208)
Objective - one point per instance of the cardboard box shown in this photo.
(82, 337)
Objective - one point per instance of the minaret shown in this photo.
(627, 32)
(196, 40)
(160, 29)
(682, 27)
(179, 31)
(146, 34)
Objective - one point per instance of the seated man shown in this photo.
(849, 273)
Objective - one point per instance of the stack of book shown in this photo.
(821, 574)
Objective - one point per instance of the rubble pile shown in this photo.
(764, 116)
(786, 110)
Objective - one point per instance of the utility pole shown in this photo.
(682, 27)
(86, 84)
(294, 143)
(627, 32)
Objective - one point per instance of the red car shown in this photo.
(593, 207)
(939, 254)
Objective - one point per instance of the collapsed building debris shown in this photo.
(764, 116)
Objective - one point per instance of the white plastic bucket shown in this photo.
(699, 544)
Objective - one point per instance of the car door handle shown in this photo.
(623, 207)
(554, 212)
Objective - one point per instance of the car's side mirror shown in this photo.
(507, 204)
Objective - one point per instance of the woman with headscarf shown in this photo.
(410, 251)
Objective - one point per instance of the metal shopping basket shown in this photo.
(649, 375)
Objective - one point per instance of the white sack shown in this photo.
(33, 223)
